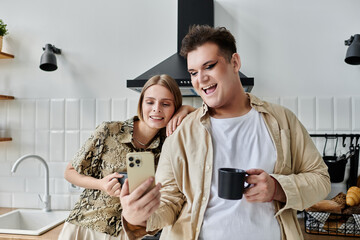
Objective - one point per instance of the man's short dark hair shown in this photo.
(201, 34)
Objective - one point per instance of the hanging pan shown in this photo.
(336, 165)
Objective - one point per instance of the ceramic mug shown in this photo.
(231, 183)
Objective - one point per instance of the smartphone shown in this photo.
(140, 166)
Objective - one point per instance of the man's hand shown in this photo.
(138, 207)
(265, 188)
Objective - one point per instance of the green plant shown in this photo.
(3, 29)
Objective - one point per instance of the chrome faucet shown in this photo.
(46, 199)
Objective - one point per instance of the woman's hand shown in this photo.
(110, 184)
(177, 118)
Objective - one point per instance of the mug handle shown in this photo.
(248, 184)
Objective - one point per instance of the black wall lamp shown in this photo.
(353, 52)
(48, 58)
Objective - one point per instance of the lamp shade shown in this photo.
(48, 59)
(353, 52)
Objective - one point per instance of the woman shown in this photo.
(97, 214)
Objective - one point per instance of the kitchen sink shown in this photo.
(31, 221)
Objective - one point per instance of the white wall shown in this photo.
(294, 49)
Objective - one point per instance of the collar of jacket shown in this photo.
(255, 102)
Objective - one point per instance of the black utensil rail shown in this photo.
(354, 149)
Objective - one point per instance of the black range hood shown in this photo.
(190, 12)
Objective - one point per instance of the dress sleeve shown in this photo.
(87, 160)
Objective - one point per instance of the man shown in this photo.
(232, 129)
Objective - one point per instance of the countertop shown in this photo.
(52, 234)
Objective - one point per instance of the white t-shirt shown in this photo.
(241, 142)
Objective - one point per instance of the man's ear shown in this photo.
(236, 62)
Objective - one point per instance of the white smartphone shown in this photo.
(140, 166)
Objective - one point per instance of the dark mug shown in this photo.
(122, 180)
(231, 183)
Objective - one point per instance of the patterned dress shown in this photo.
(102, 154)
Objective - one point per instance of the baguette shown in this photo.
(352, 210)
(325, 206)
(341, 199)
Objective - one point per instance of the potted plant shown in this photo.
(3, 32)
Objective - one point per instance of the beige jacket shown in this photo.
(185, 171)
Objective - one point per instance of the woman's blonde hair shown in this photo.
(165, 81)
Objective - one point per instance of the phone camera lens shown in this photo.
(131, 165)
(137, 161)
(131, 158)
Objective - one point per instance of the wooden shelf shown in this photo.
(5, 139)
(5, 55)
(5, 97)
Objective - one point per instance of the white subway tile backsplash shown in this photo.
(197, 102)
(37, 185)
(14, 147)
(57, 141)
(356, 113)
(87, 114)
(42, 146)
(42, 114)
(72, 114)
(60, 202)
(26, 200)
(55, 129)
(57, 114)
(275, 100)
(28, 112)
(132, 107)
(336, 188)
(61, 186)
(324, 114)
(103, 110)
(29, 167)
(3, 115)
(56, 169)
(27, 142)
(14, 114)
(188, 101)
(3, 151)
(84, 136)
(307, 112)
(342, 119)
(74, 198)
(5, 168)
(72, 144)
(291, 103)
(118, 109)
(5, 199)
(12, 184)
